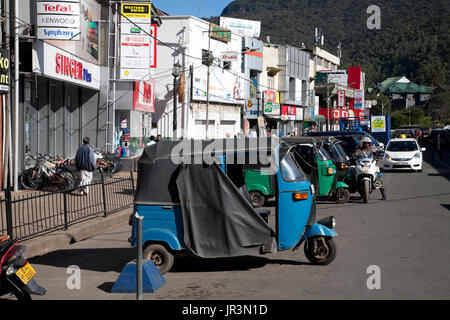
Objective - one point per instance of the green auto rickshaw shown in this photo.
(319, 167)
(259, 185)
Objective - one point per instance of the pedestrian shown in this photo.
(437, 147)
(152, 141)
(253, 133)
(158, 138)
(85, 163)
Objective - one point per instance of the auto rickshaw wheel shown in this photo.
(342, 195)
(257, 199)
(320, 250)
(160, 257)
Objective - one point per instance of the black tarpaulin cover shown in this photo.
(217, 220)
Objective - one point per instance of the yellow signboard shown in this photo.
(136, 10)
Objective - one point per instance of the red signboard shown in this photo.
(336, 114)
(288, 112)
(144, 96)
(270, 96)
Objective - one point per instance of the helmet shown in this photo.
(365, 140)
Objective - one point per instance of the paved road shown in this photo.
(406, 236)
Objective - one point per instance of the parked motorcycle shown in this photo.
(49, 170)
(16, 273)
(106, 163)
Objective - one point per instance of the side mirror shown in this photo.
(423, 149)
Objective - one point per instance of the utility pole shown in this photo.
(328, 107)
(208, 62)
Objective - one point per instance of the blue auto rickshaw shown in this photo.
(193, 200)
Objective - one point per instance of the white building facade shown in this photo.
(185, 39)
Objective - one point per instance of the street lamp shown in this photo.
(176, 73)
(258, 97)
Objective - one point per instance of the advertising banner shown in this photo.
(144, 96)
(88, 31)
(378, 123)
(4, 70)
(229, 56)
(58, 20)
(246, 28)
(224, 87)
(137, 42)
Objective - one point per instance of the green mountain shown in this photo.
(413, 40)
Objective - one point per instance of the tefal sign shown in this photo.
(51, 7)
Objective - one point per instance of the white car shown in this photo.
(403, 154)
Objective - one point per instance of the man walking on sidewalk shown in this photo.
(85, 163)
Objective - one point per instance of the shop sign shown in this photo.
(136, 12)
(58, 20)
(55, 63)
(138, 42)
(288, 112)
(219, 33)
(144, 96)
(71, 67)
(229, 56)
(272, 108)
(4, 70)
(378, 124)
(341, 98)
(336, 114)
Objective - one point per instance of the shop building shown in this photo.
(286, 70)
(198, 46)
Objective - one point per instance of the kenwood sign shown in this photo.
(58, 20)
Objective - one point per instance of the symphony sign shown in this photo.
(58, 20)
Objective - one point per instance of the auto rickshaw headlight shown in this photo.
(300, 196)
(330, 171)
(329, 222)
(343, 166)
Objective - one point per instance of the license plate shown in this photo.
(402, 163)
(26, 273)
(365, 169)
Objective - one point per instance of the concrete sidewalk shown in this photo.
(62, 239)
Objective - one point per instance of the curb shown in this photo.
(61, 239)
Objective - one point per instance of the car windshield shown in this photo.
(290, 170)
(402, 146)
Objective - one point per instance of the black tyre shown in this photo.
(365, 191)
(257, 199)
(320, 250)
(21, 295)
(29, 179)
(68, 180)
(342, 195)
(160, 257)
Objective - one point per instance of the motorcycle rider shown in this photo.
(367, 150)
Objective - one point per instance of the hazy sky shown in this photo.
(198, 8)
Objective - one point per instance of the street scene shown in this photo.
(224, 151)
